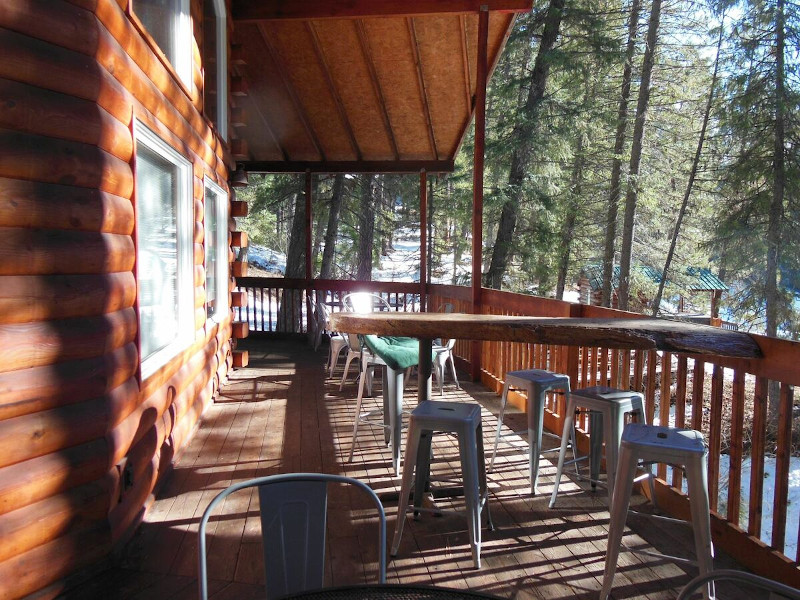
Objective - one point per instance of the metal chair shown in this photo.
(359, 302)
(293, 511)
(700, 582)
(337, 341)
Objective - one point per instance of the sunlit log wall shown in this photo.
(83, 440)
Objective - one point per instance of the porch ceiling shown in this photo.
(358, 85)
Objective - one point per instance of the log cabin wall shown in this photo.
(83, 439)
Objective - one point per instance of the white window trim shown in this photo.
(222, 307)
(185, 226)
(222, 68)
(184, 44)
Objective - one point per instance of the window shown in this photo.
(169, 24)
(215, 61)
(216, 240)
(164, 250)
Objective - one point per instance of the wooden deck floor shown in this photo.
(282, 415)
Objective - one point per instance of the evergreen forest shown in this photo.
(632, 138)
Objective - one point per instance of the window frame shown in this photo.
(221, 15)
(183, 65)
(222, 267)
(184, 242)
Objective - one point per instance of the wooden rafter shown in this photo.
(259, 10)
(462, 20)
(412, 32)
(323, 64)
(289, 87)
(376, 84)
(349, 166)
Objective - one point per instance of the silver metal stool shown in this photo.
(678, 447)
(464, 420)
(536, 383)
(608, 407)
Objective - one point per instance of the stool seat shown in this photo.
(608, 407)
(678, 447)
(536, 382)
(464, 420)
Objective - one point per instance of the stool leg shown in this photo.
(467, 445)
(358, 412)
(697, 479)
(393, 403)
(596, 444)
(535, 424)
(569, 418)
(503, 400)
(423, 468)
(346, 369)
(616, 423)
(619, 511)
(412, 444)
(484, 488)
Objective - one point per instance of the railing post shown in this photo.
(423, 241)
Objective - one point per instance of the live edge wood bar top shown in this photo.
(645, 333)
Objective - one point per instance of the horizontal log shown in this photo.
(241, 329)
(28, 572)
(238, 299)
(132, 507)
(238, 208)
(25, 345)
(25, 298)
(42, 388)
(62, 24)
(645, 334)
(82, 507)
(238, 239)
(56, 68)
(34, 204)
(29, 436)
(241, 358)
(58, 251)
(239, 269)
(51, 160)
(27, 482)
(43, 112)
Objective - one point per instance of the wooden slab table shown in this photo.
(630, 333)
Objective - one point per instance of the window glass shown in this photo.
(163, 208)
(216, 242)
(168, 23)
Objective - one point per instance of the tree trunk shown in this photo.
(636, 155)
(290, 311)
(521, 138)
(568, 227)
(692, 175)
(616, 162)
(366, 228)
(332, 231)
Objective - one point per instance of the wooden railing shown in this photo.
(727, 399)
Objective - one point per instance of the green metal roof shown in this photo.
(703, 280)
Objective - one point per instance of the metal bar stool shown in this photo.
(678, 447)
(536, 383)
(608, 407)
(464, 420)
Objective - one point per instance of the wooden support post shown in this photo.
(423, 241)
(477, 178)
(310, 323)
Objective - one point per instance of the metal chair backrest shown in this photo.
(364, 302)
(697, 584)
(293, 511)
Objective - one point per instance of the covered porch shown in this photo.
(282, 414)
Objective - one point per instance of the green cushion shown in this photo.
(397, 352)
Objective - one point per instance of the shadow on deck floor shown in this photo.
(281, 414)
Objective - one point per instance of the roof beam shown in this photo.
(260, 10)
(349, 166)
(412, 32)
(287, 84)
(376, 85)
(323, 64)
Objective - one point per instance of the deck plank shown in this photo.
(281, 414)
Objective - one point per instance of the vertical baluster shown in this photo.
(757, 449)
(698, 379)
(736, 447)
(650, 391)
(664, 400)
(638, 370)
(614, 378)
(680, 409)
(625, 370)
(584, 382)
(603, 366)
(782, 458)
(715, 436)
